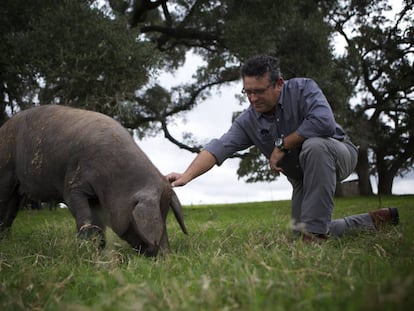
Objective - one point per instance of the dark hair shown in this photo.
(259, 65)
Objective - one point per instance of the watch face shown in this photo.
(279, 142)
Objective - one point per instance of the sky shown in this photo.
(208, 120)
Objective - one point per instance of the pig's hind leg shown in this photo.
(9, 202)
(8, 212)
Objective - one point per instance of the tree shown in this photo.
(69, 52)
(379, 61)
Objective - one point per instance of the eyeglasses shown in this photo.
(257, 92)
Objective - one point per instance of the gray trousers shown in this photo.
(324, 161)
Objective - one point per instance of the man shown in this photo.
(292, 124)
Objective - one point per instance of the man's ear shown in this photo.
(279, 82)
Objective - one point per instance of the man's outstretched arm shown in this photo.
(202, 163)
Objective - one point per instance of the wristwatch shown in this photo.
(279, 145)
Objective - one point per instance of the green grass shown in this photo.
(236, 257)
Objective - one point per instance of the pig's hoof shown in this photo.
(94, 234)
(4, 231)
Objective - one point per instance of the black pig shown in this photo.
(90, 162)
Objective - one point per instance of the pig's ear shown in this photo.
(149, 223)
(178, 211)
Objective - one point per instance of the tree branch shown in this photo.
(167, 134)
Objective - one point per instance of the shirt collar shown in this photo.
(258, 115)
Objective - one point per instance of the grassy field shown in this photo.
(236, 257)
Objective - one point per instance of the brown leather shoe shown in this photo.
(318, 238)
(383, 216)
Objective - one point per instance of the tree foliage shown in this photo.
(67, 52)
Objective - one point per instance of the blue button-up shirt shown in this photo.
(302, 107)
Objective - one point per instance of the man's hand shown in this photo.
(176, 179)
(275, 157)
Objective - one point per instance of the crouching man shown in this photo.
(292, 124)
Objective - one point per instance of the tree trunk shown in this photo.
(385, 181)
(386, 172)
(362, 169)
